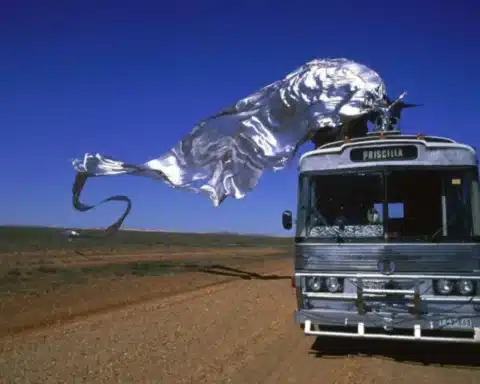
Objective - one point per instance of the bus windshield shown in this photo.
(402, 205)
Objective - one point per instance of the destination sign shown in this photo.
(390, 153)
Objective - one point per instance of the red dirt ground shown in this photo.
(200, 327)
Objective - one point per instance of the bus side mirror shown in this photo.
(287, 220)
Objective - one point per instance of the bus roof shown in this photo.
(430, 143)
(338, 146)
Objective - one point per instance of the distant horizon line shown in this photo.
(145, 230)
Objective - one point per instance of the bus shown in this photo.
(387, 239)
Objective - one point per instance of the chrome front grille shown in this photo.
(407, 258)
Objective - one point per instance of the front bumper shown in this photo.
(408, 312)
(388, 326)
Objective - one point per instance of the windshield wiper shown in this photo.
(449, 221)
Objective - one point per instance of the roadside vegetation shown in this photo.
(38, 239)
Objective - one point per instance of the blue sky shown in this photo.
(130, 79)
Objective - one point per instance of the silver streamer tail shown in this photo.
(226, 154)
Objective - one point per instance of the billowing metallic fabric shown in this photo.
(226, 154)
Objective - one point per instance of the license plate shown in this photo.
(455, 323)
(374, 284)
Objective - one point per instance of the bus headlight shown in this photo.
(465, 287)
(333, 284)
(314, 283)
(444, 286)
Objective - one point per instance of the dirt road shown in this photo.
(229, 330)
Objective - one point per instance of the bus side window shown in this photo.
(379, 209)
(475, 204)
(395, 210)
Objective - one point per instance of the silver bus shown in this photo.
(387, 239)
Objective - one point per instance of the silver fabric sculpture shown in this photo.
(225, 155)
